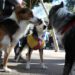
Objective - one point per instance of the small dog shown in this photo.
(34, 41)
(12, 29)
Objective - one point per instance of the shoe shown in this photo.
(6, 69)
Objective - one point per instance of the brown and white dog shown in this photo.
(12, 29)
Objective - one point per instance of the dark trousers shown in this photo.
(19, 47)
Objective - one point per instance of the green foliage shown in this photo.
(70, 4)
(33, 3)
(47, 0)
(28, 2)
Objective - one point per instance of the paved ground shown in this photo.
(53, 60)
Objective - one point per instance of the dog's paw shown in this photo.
(43, 66)
(28, 65)
(6, 69)
(26, 57)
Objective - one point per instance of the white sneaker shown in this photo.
(6, 69)
(28, 65)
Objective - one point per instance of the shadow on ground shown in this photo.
(55, 67)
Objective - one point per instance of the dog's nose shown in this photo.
(44, 27)
(39, 21)
(49, 27)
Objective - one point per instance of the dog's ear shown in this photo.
(61, 4)
(35, 34)
(54, 9)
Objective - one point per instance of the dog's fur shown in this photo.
(37, 32)
(12, 29)
(64, 23)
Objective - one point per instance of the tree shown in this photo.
(31, 3)
(70, 4)
(47, 0)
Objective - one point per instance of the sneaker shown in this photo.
(6, 69)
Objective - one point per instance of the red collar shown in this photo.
(68, 26)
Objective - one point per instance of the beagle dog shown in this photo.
(12, 29)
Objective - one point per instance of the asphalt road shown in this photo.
(53, 60)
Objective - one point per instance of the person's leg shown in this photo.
(18, 55)
(16, 50)
(23, 42)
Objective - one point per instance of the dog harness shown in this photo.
(35, 43)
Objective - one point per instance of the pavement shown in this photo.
(53, 60)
